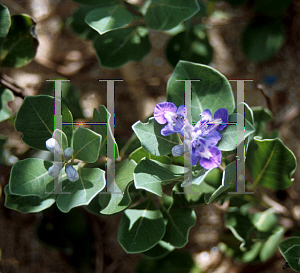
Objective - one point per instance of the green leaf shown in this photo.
(261, 117)
(114, 203)
(228, 180)
(152, 140)
(270, 246)
(190, 45)
(180, 221)
(20, 45)
(36, 121)
(5, 96)
(262, 39)
(240, 226)
(290, 249)
(2, 143)
(141, 227)
(194, 199)
(271, 163)
(175, 262)
(102, 115)
(140, 153)
(167, 14)
(117, 47)
(86, 145)
(212, 92)
(150, 175)
(109, 18)
(91, 181)
(4, 22)
(30, 177)
(27, 204)
(229, 134)
(78, 25)
(159, 251)
(264, 221)
(275, 8)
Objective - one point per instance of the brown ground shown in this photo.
(63, 54)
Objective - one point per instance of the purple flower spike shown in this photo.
(223, 114)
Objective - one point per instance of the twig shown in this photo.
(264, 92)
(17, 91)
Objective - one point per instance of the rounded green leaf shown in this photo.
(140, 153)
(264, 221)
(150, 175)
(27, 204)
(212, 92)
(159, 251)
(108, 18)
(29, 177)
(262, 39)
(229, 134)
(287, 243)
(271, 163)
(141, 228)
(20, 45)
(191, 45)
(116, 202)
(270, 246)
(151, 138)
(36, 121)
(180, 221)
(5, 96)
(79, 26)
(167, 14)
(228, 180)
(102, 115)
(4, 22)
(91, 181)
(86, 145)
(117, 47)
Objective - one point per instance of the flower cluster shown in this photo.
(53, 146)
(199, 140)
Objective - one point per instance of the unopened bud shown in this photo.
(68, 153)
(55, 169)
(72, 174)
(53, 146)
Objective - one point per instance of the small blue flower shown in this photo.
(72, 174)
(55, 169)
(53, 146)
(168, 112)
(68, 153)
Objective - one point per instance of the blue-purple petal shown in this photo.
(160, 110)
(214, 161)
(223, 114)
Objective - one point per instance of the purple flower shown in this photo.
(201, 141)
(72, 174)
(168, 112)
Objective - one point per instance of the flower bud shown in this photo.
(68, 153)
(55, 169)
(72, 174)
(53, 146)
